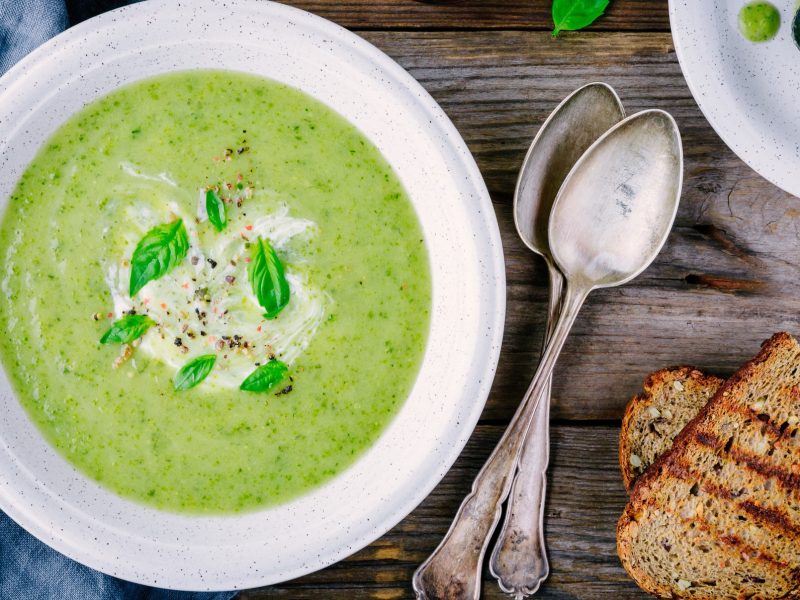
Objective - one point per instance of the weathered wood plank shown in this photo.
(585, 499)
(630, 15)
(728, 277)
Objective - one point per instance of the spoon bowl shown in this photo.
(617, 205)
(574, 125)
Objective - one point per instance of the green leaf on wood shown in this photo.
(569, 15)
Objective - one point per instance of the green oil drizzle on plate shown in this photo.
(759, 21)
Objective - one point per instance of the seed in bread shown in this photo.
(671, 398)
(718, 515)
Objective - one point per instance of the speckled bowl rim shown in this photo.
(24, 490)
(765, 153)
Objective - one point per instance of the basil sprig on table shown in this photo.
(265, 377)
(161, 248)
(193, 372)
(215, 208)
(569, 15)
(127, 329)
(268, 278)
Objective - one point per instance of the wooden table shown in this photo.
(726, 280)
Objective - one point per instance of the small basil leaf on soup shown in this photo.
(161, 248)
(268, 278)
(193, 372)
(127, 329)
(215, 208)
(569, 15)
(265, 377)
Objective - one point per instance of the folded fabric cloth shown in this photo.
(25, 24)
(29, 569)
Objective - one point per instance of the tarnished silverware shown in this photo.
(609, 220)
(519, 560)
(560, 141)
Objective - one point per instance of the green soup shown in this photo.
(291, 171)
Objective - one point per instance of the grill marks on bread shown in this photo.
(727, 493)
(688, 559)
(751, 461)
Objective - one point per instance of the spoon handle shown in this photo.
(519, 560)
(452, 572)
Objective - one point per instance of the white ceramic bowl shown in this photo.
(748, 92)
(71, 513)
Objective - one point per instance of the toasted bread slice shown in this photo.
(717, 517)
(671, 398)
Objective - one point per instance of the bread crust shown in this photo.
(643, 401)
(681, 440)
(645, 490)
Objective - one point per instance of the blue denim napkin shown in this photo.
(29, 569)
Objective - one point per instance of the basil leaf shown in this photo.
(570, 15)
(193, 372)
(127, 329)
(268, 278)
(215, 208)
(265, 377)
(161, 248)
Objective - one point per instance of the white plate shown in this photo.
(74, 515)
(748, 92)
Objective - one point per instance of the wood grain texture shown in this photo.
(726, 280)
(627, 15)
(728, 277)
(585, 499)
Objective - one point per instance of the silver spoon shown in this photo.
(571, 128)
(610, 219)
(519, 560)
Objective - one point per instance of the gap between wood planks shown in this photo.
(475, 15)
